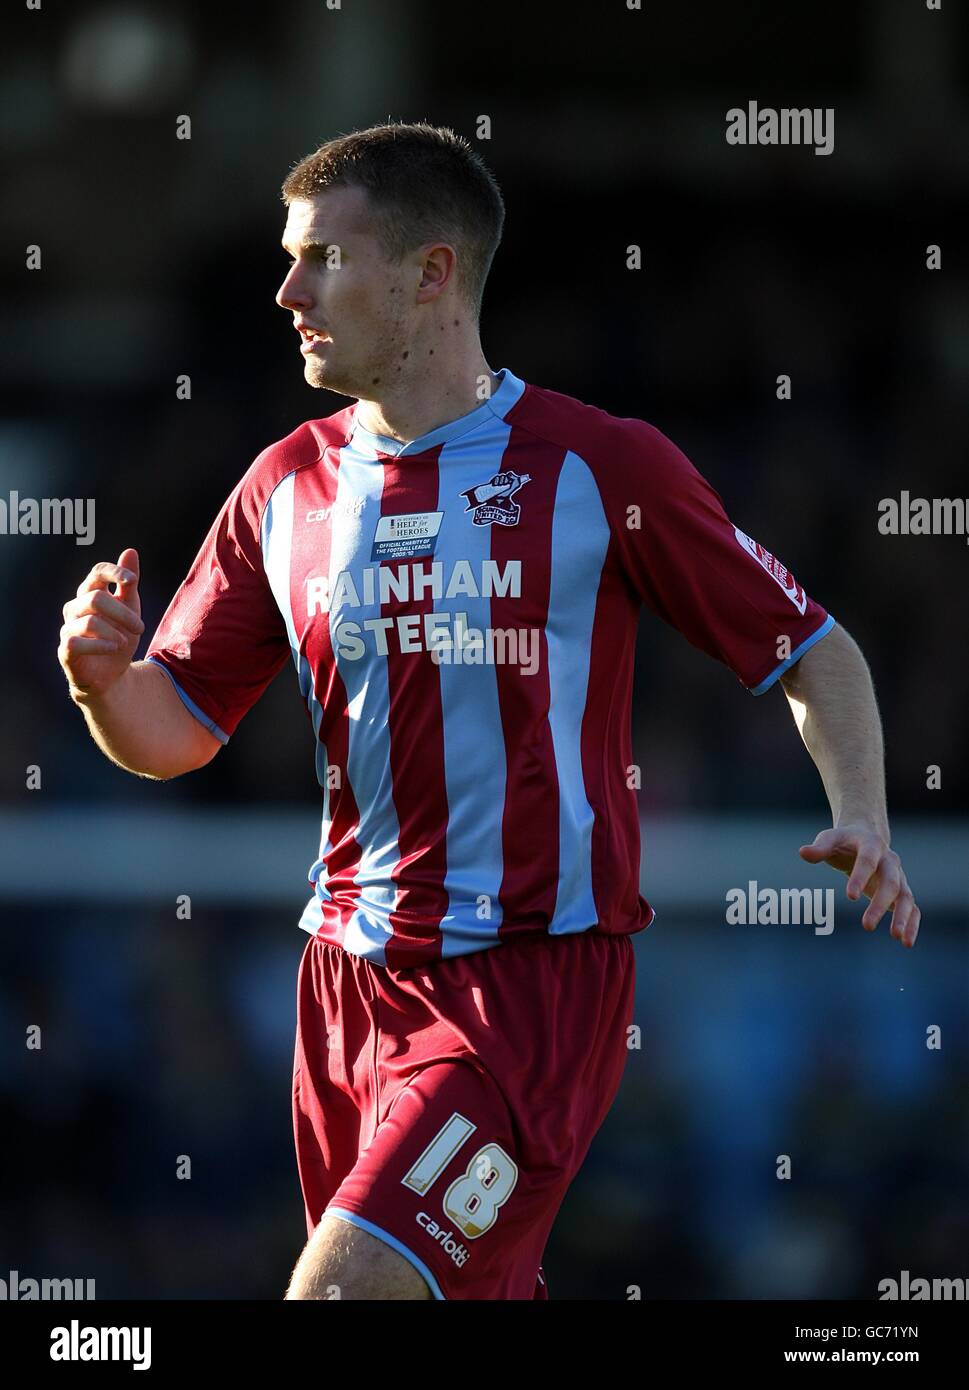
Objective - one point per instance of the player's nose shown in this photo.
(290, 295)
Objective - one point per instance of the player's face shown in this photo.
(340, 284)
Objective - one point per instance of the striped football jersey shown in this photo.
(462, 611)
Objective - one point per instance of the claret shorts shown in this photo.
(446, 1108)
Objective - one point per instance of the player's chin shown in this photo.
(316, 374)
(326, 379)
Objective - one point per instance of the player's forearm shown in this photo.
(140, 723)
(833, 701)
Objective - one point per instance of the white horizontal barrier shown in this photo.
(260, 856)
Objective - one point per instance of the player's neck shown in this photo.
(421, 403)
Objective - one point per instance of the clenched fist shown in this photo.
(101, 630)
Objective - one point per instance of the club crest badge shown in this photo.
(493, 501)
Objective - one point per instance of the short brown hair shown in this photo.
(425, 183)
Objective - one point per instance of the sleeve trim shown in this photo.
(796, 655)
(189, 704)
(354, 1219)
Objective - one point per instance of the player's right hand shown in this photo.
(101, 630)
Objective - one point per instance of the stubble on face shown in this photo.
(372, 352)
(362, 306)
(369, 320)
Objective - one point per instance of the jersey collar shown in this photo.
(508, 391)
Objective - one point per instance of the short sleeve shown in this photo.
(223, 638)
(688, 562)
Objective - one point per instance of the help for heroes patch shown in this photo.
(406, 536)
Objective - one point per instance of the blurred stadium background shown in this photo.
(164, 1037)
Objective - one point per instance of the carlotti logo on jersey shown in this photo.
(492, 501)
(458, 1253)
(774, 568)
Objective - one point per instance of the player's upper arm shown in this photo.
(176, 741)
(836, 642)
(690, 564)
(223, 639)
(207, 746)
(141, 723)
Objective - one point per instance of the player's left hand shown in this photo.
(873, 869)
